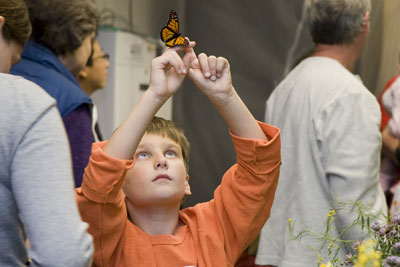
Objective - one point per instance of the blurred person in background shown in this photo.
(94, 77)
(60, 45)
(36, 182)
(331, 141)
(389, 101)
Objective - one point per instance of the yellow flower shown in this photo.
(362, 259)
(289, 220)
(367, 255)
(320, 259)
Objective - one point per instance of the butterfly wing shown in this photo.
(180, 41)
(167, 34)
(173, 22)
(170, 34)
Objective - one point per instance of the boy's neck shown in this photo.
(155, 220)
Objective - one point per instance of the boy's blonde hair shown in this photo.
(167, 128)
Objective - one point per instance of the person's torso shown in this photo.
(298, 106)
(21, 104)
(196, 244)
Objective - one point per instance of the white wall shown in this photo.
(148, 16)
(129, 68)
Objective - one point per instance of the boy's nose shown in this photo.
(161, 162)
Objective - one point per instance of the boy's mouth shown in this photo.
(162, 176)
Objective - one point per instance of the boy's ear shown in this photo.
(187, 186)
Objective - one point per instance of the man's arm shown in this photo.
(350, 143)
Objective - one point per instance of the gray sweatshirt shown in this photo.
(36, 182)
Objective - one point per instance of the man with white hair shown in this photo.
(331, 142)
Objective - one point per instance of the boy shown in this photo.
(142, 224)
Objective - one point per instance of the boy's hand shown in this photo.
(212, 76)
(169, 70)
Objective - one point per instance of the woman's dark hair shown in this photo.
(62, 25)
(17, 26)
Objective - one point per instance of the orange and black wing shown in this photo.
(173, 22)
(170, 34)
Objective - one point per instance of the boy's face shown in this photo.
(158, 175)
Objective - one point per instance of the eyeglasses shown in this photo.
(105, 56)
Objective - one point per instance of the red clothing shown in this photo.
(385, 116)
(213, 234)
(389, 174)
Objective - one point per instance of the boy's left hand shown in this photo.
(212, 76)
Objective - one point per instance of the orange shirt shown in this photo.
(213, 233)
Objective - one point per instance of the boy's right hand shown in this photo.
(169, 70)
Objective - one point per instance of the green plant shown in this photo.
(382, 248)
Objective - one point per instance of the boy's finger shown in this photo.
(174, 49)
(212, 63)
(205, 68)
(182, 67)
(175, 61)
(222, 63)
(191, 44)
(189, 58)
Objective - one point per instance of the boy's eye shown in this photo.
(170, 154)
(142, 155)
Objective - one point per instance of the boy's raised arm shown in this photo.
(213, 77)
(167, 74)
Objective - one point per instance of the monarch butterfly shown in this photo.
(170, 34)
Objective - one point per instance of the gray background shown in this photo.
(256, 46)
(259, 39)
